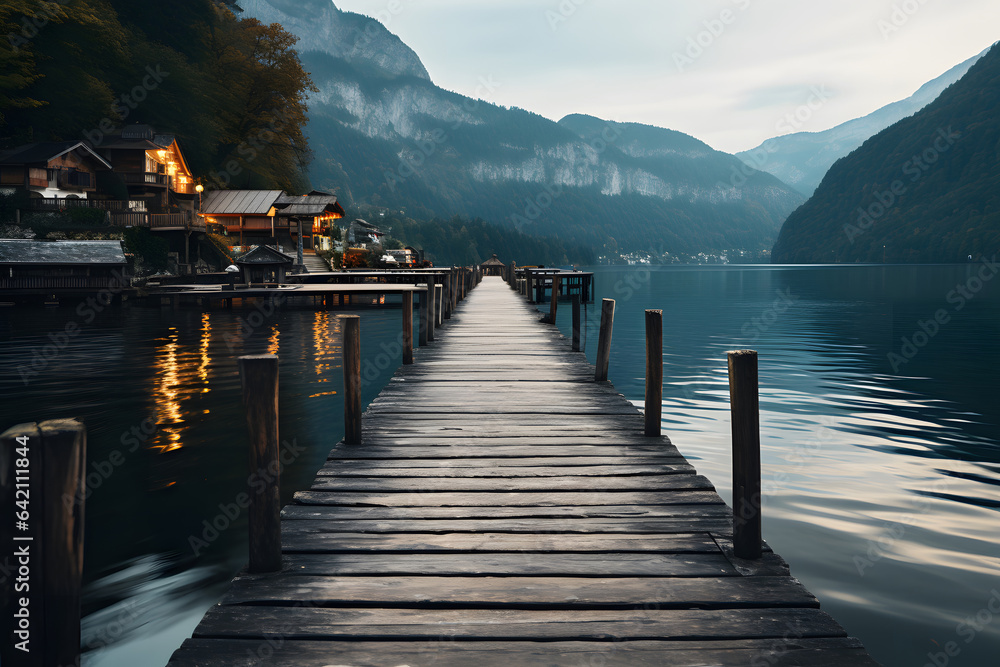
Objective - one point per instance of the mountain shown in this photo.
(383, 134)
(356, 39)
(926, 189)
(802, 159)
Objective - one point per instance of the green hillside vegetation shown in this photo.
(926, 189)
(230, 89)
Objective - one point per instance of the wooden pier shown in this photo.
(505, 509)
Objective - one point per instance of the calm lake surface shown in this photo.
(882, 474)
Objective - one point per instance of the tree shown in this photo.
(262, 90)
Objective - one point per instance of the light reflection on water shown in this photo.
(145, 587)
(882, 489)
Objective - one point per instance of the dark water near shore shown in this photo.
(161, 388)
(883, 484)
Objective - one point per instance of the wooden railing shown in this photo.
(58, 204)
(144, 178)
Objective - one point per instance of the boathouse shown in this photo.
(60, 268)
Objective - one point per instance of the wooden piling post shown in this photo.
(431, 306)
(554, 302)
(407, 328)
(425, 322)
(43, 540)
(527, 286)
(352, 379)
(512, 276)
(654, 371)
(745, 408)
(259, 380)
(576, 322)
(447, 287)
(439, 305)
(604, 340)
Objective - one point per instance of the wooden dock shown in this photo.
(507, 510)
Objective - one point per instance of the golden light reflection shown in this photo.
(272, 342)
(206, 360)
(166, 396)
(326, 343)
(325, 393)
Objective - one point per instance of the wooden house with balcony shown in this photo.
(51, 171)
(151, 168)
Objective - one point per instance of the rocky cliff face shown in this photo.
(321, 26)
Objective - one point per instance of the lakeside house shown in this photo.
(51, 170)
(361, 232)
(270, 217)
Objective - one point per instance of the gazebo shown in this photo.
(493, 266)
(264, 264)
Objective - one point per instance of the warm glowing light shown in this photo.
(199, 188)
(161, 154)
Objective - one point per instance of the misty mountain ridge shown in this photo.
(926, 189)
(801, 159)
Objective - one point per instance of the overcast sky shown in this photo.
(631, 60)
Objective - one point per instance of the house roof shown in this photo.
(61, 252)
(239, 202)
(136, 144)
(263, 254)
(44, 152)
(493, 261)
(137, 131)
(309, 205)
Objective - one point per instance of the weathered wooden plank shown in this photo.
(463, 454)
(448, 653)
(497, 543)
(521, 625)
(522, 592)
(315, 512)
(420, 498)
(512, 564)
(569, 483)
(373, 469)
(553, 526)
(512, 462)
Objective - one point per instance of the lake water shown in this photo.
(882, 474)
